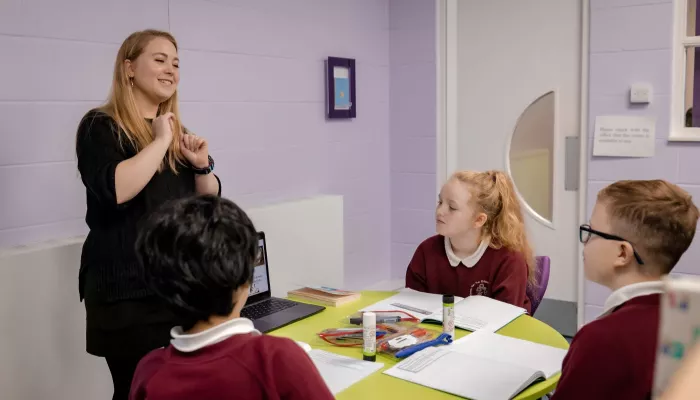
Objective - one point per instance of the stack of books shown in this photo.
(324, 295)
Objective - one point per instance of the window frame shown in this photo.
(678, 131)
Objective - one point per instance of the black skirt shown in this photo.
(127, 328)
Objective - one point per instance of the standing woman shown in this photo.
(133, 155)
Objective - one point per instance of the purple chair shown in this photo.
(535, 294)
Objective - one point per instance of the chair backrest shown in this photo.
(537, 293)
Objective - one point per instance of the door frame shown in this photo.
(447, 113)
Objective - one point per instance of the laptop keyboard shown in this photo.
(265, 308)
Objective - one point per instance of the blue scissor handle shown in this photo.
(444, 338)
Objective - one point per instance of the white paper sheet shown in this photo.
(419, 304)
(482, 313)
(510, 350)
(464, 375)
(481, 366)
(472, 313)
(341, 372)
(624, 136)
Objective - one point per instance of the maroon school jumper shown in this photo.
(500, 274)
(613, 357)
(242, 367)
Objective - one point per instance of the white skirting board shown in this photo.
(42, 351)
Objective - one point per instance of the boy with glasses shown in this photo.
(637, 233)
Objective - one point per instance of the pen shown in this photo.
(380, 320)
(356, 334)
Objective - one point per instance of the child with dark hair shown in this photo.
(198, 255)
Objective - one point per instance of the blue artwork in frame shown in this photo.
(340, 86)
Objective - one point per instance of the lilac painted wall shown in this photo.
(252, 83)
(413, 130)
(696, 72)
(630, 41)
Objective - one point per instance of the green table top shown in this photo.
(381, 386)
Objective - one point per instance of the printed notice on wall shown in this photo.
(624, 136)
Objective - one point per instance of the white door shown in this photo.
(512, 71)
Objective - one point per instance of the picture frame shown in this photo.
(341, 95)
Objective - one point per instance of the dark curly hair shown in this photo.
(196, 252)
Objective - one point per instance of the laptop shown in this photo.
(269, 313)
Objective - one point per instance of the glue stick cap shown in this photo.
(369, 318)
(448, 299)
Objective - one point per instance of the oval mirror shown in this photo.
(531, 155)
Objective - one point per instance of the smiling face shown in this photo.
(455, 214)
(155, 72)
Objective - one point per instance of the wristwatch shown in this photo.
(206, 170)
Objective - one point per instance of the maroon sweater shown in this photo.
(613, 357)
(242, 367)
(500, 274)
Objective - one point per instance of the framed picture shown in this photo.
(340, 88)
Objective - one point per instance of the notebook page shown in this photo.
(502, 348)
(463, 375)
(416, 303)
(340, 372)
(483, 313)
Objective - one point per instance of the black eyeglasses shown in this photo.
(585, 232)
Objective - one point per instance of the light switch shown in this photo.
(640, 93)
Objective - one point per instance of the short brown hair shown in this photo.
(656, 216)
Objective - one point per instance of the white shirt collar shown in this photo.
(470, 260)
(189, 343)
(625, 293)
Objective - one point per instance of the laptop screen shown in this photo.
(261, 282)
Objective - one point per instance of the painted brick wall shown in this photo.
(413, 130)
(251, 83)
(630, 41)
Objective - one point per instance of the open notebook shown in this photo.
(481, 366)
(472, 313)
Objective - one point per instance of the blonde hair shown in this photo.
(493, 192)
(657, 217)
(122, 107)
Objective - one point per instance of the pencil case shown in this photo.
(405, 343)
(352, 337)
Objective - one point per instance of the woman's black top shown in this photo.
(108, 252)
